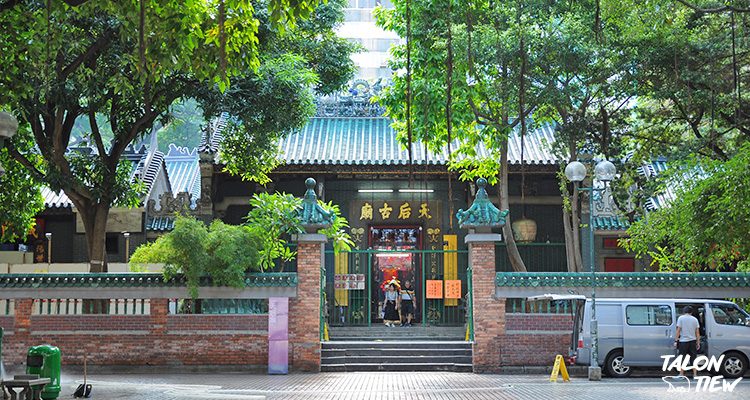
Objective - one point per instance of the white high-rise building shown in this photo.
(360, 27)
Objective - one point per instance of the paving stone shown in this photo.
(382, 386)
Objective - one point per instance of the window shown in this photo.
(112, 244)
(725, 314)
(649, 315)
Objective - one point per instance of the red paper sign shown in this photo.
(434, 289)
(453, 289)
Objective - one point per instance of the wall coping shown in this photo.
(483, 237)
(312, 238)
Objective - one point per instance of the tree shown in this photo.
(127, 62)
(226, 252)
(20, 199)
(505, 62)
(706, 225)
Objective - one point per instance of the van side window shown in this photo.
(728, 315)
(649, 315)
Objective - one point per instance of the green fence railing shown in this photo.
(538, 257)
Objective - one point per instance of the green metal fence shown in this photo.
(538, 257)
(521, 306)
(218, 306)
(354, 281)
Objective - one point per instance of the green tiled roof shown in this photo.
(611, 223)
(142, 280)
(623, 279)
(372, 141)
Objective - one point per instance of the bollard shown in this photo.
(45, 361)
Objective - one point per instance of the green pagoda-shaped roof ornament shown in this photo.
(482, 213)
(312, 215)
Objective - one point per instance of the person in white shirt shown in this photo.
(408, 304)
(688, 337)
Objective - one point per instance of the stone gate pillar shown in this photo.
(304, 310)
(488, 312)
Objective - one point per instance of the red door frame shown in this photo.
(417, 270)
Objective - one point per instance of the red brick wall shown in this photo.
(156, 339)
(538, 322)
(533, 349)
(304, 310)
(488, 311)
(535, 339)
(246, 323)
(6, 322)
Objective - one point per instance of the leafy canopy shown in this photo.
(226, 252)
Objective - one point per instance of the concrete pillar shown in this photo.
(304, 310)
(488, 311)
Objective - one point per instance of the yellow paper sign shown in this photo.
(434, 289)
(453, 289)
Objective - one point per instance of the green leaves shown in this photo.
(705, 227)
(226, 252)
(223, 252)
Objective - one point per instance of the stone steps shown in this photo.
(396, 355)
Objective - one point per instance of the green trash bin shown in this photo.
(45, 361)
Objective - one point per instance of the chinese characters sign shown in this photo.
(434, 289)
(395, 211)
(453, 289)
(349, 281)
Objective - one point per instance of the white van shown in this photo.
(637, 332)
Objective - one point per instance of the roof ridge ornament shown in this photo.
(311, 214)
(482, 213)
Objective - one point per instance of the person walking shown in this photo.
(688, 337)
(391, 305)
(408, 304)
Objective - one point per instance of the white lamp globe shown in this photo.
(575, 171)
(605, 171)
(8, 125)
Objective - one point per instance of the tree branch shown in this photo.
(96, 134)
(90, 53)
(714, 10)
(23, 160)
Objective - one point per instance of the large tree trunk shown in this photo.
(569, 249)
(95, 221)
(576, 230)
(514, 256)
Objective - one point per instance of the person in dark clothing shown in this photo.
(408, 304)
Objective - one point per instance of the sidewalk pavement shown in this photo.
(380, 386)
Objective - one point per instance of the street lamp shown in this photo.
(49, 247)
(8, 128)
(127, 246)
(604, 172)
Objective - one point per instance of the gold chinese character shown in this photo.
(424, 211)
(385, 212)
(404, 212)
(366, 211)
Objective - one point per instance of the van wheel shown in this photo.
(614, 366)
(734, 365)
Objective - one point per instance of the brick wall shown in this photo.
(155, 339)
(535, 339)
(488, 311)
(538, 322)
(304, 310)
